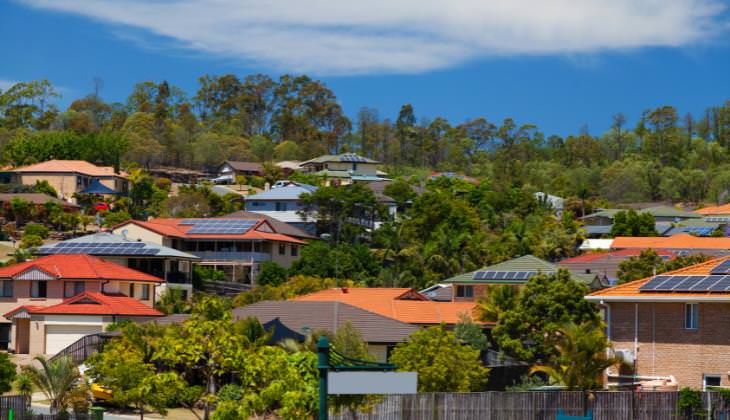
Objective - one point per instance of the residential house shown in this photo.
(35, 298)
(378, 188)
(402, 304)
(468, 287)
(599, 223)
(556, 203)
(235, 246)
(173, 266)
(672, 326)
(287, 223)
(719, 215)
(69, 177)
(297, 319)
(439, 292)
(453, 175)
(37, 200)
(283, 198)
(346, 168)
(605, 264)
(230, 169)
(681, 244)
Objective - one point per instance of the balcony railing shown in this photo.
(232, 256)
(178, 278)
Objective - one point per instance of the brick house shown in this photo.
(35, 315)
(672, 326)
(69, 177)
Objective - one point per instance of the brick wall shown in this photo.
(667, 348)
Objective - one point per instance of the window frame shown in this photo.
(38, 294)
(294, 250)
(77, 287)
(691, 316)
(282, 249)
(6, 284)
(461, 291)
(131, 290)
(145, 292)
(705, 376)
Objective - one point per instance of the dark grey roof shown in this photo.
(244, 166)
(171, 319)
(304, 316)
(34, 198)
(278, 225)
(439, 292)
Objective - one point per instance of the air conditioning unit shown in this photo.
(627, 356)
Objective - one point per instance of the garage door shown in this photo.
(58, 337)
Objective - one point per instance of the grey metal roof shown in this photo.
(110, 238)
(304, 316)
(289, 192)
(278, 225)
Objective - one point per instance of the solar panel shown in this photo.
(216, 226)
(722, 285)
(654, 283)
(722, 268)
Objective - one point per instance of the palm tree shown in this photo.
(582, 357)
(496, 300)
(24, 386)
(56, 379)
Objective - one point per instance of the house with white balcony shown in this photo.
(235, 246)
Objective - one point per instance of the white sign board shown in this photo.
(363, 382)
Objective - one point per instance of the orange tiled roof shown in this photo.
(78, 267)
(680, 241)
(173, 227)
(714, 210)
(596, 256)
(76, 166)
(92, 303)
(385, 301)
(631, 289)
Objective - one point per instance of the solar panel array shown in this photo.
(503, 275)
(131, 248)
(711, 283)
(700, 231)
(717, 219)
(219, 226)
(351, 157)
(722, 268)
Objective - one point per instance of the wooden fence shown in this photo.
(16, 402)
(534, 405)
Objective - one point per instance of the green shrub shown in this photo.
(36, 229)
(271, 274)
(30, 241)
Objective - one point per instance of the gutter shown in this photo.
(725, 298)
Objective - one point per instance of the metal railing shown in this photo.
(232, 256)
(83, 347)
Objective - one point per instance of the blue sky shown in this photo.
(560, 64)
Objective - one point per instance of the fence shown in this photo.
(83, 347)
(16, 402)
(534, 405)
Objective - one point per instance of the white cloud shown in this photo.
(404, 36)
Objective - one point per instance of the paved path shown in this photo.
(44, 409)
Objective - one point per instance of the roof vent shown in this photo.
(345, 290)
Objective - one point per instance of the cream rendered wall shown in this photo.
(362, 168)
(379, 351)
(64, 184)
(136, 232)
(287, 259)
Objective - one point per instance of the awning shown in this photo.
(97, 187)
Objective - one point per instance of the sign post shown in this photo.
(342, 375)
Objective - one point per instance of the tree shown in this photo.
(43, 187)
(443, 363)
(271, 273)
(471, 333)
(648, 263)
(496, 299)
(132, 380)
(581, 356)
(631, 223)
(344, 261)
(545, 304)
(24, 386)
(114, 218)
(7, 373)
(56, 379)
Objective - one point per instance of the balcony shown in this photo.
(177, 277)
(232, 256)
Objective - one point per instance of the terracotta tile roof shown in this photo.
(78, 267)
(75, 166)
(174, 228)
(596, 256)
(631, 289)
(714, 210)
(93, 303)
(389, 302)
(680, 241)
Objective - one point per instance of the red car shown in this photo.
(101, 206)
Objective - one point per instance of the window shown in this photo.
(280, 206)
(131, 289)
(294, 250)
(691, 316)
(6, 288)
(465, 291)
(711, 381)
(146, 292)
(354, 167)
(73, 288)
(282, 249)
(38, 289)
